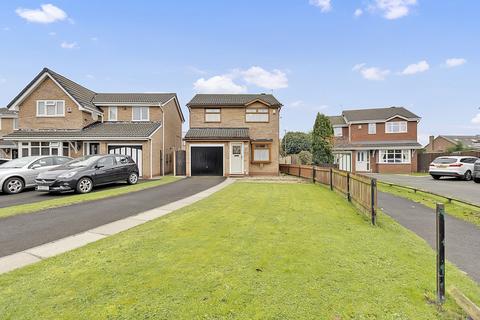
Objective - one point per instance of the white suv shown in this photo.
(453, 166)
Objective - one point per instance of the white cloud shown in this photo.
(69, 45)
(324, 5)
(6, 28)
(262, 78)
(393, 9)
(90, 76)
(296, 104)
(47, 13)
(196, 70)
(455, 62)
(218, 84)
(371, 73)
(358, 12)
(414, 68)
(3, 80)
(94, 38)
(476, 119)
(52, 33)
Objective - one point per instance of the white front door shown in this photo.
(363, 161)
(236, 158)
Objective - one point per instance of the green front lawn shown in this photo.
(69, 199)
(250, 251)
(457, 209)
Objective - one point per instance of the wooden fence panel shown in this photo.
(322, 175)
(340, 181)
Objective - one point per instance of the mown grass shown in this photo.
(66, 200)
(250, 251)
(460, 210)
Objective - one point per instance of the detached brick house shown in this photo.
(8, 123)
(57, 116)
(382, 140)
(233, 134)
(443, 143)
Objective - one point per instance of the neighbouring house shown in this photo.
(233, 134)
(59, 116)
(444, 143)
(8, 123)
(382, 140)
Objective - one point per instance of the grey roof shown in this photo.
(467, 141)
(7, 144)
(376, 145)
(8, 113)
(217, 134)
(96, 130)
(132, 98)
(232, 99)
(337, 120)
(378, 114)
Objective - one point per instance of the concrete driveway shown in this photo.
(18, 233)
(450, 187)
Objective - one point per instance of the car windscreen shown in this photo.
(17, 163)
(445, 160)
(83, 162)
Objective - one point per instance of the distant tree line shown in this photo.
(314, 147)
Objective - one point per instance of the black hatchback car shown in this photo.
(83, 174)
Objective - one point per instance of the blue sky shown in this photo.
(314, 55)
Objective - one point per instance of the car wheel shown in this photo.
(468, 175)
(13, 185)
(435, 177)
(84, 185)
(477, 180)
(132, 178)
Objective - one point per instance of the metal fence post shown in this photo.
(348, 187)
(373, 186)
(440, 253)
(331, 179)
(313, 174)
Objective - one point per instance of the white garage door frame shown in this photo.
(125, 148)
(205, 145)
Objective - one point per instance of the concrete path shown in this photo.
(21, 232)
(462, 239)
(50, 249)
(450, 187)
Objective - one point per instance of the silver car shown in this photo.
(18, 174)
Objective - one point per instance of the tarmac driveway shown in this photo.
(450, 187)
(25, 231)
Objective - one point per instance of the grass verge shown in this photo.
(250, 251)
(66, 200)
(462, 211)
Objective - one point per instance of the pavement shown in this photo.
(462, 239)
(31, 196)
(450, 187)
(21, 232)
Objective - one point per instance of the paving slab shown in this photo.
(16, 260)
(117, 226)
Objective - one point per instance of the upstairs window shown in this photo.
(212, 115)
(338, 131)
(50, 108)
(112, 113)
(15, 123)
(140, 114)
(256, 115)
(396, 127)
(372, 128)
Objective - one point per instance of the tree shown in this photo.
(305, 157)
(322, 137)
(456, 148)
(294, 142)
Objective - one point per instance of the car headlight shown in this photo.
(67, 175)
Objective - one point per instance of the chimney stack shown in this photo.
(431, 141)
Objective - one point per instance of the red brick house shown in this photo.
(382, 140)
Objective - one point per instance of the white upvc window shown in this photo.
(372, 128)
(15, 123)
(338, 131)
(212, 115)
(256, 115)
(399, 156)
(140, 114)
(50, 108)
(261, 153)
(112, 113)
(396, 127)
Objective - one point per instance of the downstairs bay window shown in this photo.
(261, 152)
(399, 156)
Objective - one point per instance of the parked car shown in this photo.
(453, 166)
(18, 174)
(476, 172)
(83, 174)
